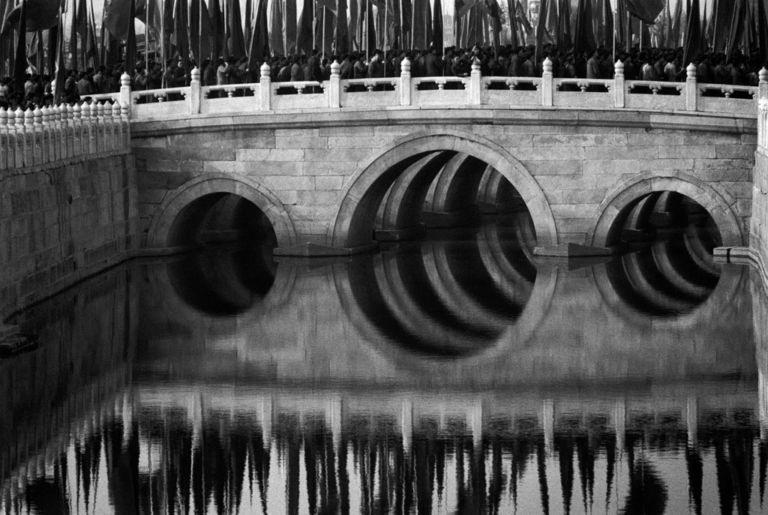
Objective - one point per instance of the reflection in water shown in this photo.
(433, 377)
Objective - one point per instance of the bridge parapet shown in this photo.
(51, 135)
(406, 91)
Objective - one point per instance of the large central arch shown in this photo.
(354, 222)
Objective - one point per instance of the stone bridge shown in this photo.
(339, 165)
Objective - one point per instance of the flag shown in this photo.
(420, 23)
(354, 25)
(341, 32)
(304, 29)
(289, 27)
(512, 22)
(762, 31)
(584, 37)
(73, 35)
(258, 48)
(40, 15)
(234, 28)
(200, 31)
(693, 35)
(217, 28)
(130, 45)
(180, 36)
(117, 16)
(646, 10)
(737, 26)
(277, 31)
(437, 26)
(605, 29)
(564, 41)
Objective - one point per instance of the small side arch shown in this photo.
(175, 201)
(354, 221)
(699, 191)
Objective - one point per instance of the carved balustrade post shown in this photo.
(334, 86)
(619, 88)
(691, 88)
(125, 91)
(77, 127)
(125, 125)
(29, 137)
(117, 127)
(18, 129)
(405, 82)
(475, 86)
(38, 156)
(265, 88)
(195, 92)
(547, 84)
(6, 149)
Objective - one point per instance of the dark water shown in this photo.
(442, 377)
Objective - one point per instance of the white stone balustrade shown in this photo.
(51, 135)
(405, 92)
(762, 113)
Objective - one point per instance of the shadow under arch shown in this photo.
(695, 189)
(209, 184)
(354, 222)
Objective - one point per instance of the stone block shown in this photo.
(575, 210)
(283, 154)
(329, 182)
(563, 167)
(293, 183)
(338, 154)
(743, 151)
(631, 151)
(319, 198)
(300, 142)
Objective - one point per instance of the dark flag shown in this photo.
(259, 44)
(605, 32)
(130, 46)
(236, 39)
(513, 22)
(289, 27)
(180, 25)
(762, 31)
(693, 35)
(20, 68)
(341, 31)
(584, 38)
(276, 37)
(564, 41)
(437, 26)
(73, 35)
(304, 33)
(646, 10)
(737, 26)
(53, 41)
(217, 28)
(41, 14)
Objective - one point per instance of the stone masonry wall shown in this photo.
(576, 166)
(61, 224)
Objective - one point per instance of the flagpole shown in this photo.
(146, 45)
(615, 28)
(322, 34)
(200, 36)
(367, 28)
(385, 37)
(162, 42)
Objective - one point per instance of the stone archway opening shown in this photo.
(665, 242)
(233, 265)
(221, 218)
(435, 182)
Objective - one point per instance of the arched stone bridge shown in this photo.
(337, 165)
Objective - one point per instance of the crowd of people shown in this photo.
(654, 64)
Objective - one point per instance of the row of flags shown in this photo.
(41, 33)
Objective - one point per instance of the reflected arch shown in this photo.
(354, 223)
(625, 194)
(160, 234)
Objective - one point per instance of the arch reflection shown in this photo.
(448, 298)
(666, 268)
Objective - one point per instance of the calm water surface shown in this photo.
(443, 376)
